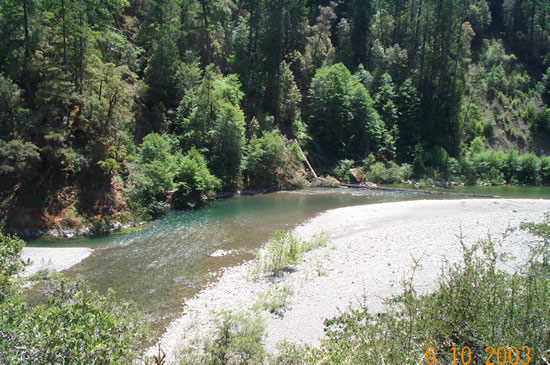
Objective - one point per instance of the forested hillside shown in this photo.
(111, 108)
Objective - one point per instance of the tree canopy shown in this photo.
(84, 84)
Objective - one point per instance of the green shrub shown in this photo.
(290, 353)
(391, 174)
(151, 176)
(467, 169)
(148, 186)
(529, 167)
(272, 160)
(43, 274)
(158, 170)
(452, 169)
(76, 326)
(473, 122)
(406, 171)
(275, 299)
(489, 129)
(545, 170)
(341, 171)
(237, 340)
(193, 180)
(477, 145)
(488, 166)
(542, 123)
(530, 113)
(368, 162)
(317, 241)
(497, 166)
(501, 119)
(285, 250)
(394, 173)
(545, 92)
(154, 149)
(521, 136)
(511, 165)
(10, 262)
(378, 173)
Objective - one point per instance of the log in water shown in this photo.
(430, 192)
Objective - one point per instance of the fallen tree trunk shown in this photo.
(445, 193)
(305, 158)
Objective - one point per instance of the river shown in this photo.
(169, 260)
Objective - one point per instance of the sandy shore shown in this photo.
(57, 259)
(370, 252)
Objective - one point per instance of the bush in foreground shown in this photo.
(76, 325)
(236, 340)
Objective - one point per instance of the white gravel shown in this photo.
(370, 252)
(53, 258)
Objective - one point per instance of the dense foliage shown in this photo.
(82, 85)
(11, 263)
(160, 169)
(75, 326)
(272, 159)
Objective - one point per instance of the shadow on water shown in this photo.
(169, 260)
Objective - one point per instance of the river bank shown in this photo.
(92, 230)
(370, 251)
(67, 232)
(89, 230)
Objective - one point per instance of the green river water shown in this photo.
(167, 261)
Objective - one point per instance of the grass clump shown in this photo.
(285, 250)
(325, 182)
(274, 299)
(476, 305)
(43, 274)
(317, 241)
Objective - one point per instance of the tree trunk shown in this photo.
(532, 27)
(207, 32)
(81, 49)
(64, 33)
(416, 26)
(459, 45)
(27, 56)
(252, 29)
